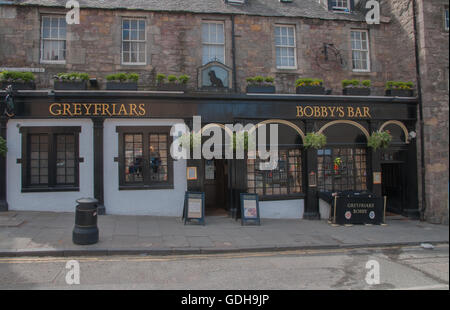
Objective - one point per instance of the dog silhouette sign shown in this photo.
(214, 75)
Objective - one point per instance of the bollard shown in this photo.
(85, 230)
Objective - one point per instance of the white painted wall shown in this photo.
(165, 202)
(282, 209)
(324, 209)
(54, 201)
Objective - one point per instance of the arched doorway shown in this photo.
(343, 164)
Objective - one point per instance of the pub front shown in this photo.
(115, 146)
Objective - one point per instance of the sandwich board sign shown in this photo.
(194, 208)
(250, 209)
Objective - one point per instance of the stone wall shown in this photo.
(174, 47)
(434, 64)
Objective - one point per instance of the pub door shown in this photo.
(393, 186)
(215, 182)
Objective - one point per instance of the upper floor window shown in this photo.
(446, 19)
(285, 47)
(53, 39)
(134, 41)
(213, 42)
(360, 50)
(340, 5)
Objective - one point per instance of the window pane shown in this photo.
(38, 161)
(158, 157)
(133, 159)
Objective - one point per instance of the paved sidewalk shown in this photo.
(50, 234)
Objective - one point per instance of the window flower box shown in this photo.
(18, 85)
(172, 85)
(260, 85)
(306, 86)
(310, 90)
(261, 89)
(122, 81)
(356, 88)
(400, 92)
(18, 80)
(71, 81)
(399, 89)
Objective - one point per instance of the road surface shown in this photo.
(399, 268)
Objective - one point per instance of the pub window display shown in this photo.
(50, 158)
(145, 159)
(286, 179)
(342, 169)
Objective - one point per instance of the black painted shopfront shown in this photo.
(346, 121)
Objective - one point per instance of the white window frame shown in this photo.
(294, 67)
(368, 50)
(217, 22)
(45, 61)
(133, 41)
(446, 19)
(342, 9)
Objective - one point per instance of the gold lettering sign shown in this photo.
(97, 109)
(332, 112)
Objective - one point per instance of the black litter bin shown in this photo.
(85, 230)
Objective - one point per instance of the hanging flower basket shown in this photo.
(315, 140)
(3, 147)
(337, 164)
(379, 140)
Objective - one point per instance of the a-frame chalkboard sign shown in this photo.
(194, 208)
(250, 209)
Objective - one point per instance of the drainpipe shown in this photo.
(419, 97)
(233, 54)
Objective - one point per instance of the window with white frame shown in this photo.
(134, 41)
(360, 50)
(446, 21)
(53, 39)
(340, 5)
(213, 42)
(285, 47)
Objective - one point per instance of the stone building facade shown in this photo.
(173, 45)
(433, 50)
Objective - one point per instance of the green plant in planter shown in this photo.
(72, 77)
(160, 77)
(308, 82)
(356, 83)
(315, 140)
(379, 139)
(184, 79)
(399, 85)
(123, 77)
(259, 80)
(3, 147)
(14, 76)
(269, 79)
(172, 78)
(366, 83)
(350, 83)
